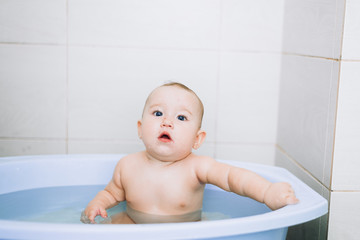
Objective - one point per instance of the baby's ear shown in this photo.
(200, 137)
(139, 129)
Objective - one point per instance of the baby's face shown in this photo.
(170, 124)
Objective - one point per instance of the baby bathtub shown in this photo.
(34, 172)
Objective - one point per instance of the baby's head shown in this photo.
(181, 86)
(171, 122)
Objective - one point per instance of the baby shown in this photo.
(165, 183)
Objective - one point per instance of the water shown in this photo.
(65, 204)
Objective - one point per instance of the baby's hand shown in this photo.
(279, 195)
(91, 212)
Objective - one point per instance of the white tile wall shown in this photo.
(313, 27)
(21, 147)
(100, 146)
(351, 47)
(255, 153)
(344, 220)
(109, 86)
(32, 91)
(307, 112)
(159, 23)
(347, 145)
(35, 21)
(113, 53)
(258, 25)
(248, 98)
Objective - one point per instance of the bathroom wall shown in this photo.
(74, 74)
(345, 196)
(318, 132)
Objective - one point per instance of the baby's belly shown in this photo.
(166, 206)
(165, 202)
(168, 200)
(141, 217)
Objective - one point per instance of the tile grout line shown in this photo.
(337, 98)
(129, 47)
(31, 139)
(67, 80)
(67, 44)
(218, 80)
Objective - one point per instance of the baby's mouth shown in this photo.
(165, 137)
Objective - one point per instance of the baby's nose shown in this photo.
(166, 123)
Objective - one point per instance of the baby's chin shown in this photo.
(168, 156)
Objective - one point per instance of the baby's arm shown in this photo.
(247, 183)
(107, 198)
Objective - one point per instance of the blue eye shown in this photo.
(182, 118)
(158, 113)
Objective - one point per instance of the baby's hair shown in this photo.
(180, 85)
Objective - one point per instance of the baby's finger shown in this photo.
(84, 218)
(92, 216)
(103, 213)
(292, 200)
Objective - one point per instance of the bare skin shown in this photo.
(167, 178)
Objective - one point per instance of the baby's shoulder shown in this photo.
(202, 158)
(130, 159)
(202, 165)
(202, 161)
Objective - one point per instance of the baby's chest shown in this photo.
(161, 188)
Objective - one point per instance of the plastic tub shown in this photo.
(34, 172)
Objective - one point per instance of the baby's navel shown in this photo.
(182, 205)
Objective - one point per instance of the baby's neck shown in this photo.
(163, 161)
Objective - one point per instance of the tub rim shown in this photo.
(311, 206)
